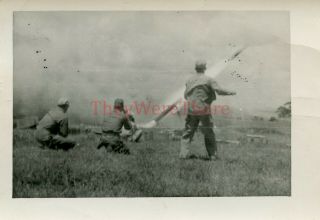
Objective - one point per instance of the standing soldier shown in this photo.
(200, 92)
(112, 126)
(52, 130)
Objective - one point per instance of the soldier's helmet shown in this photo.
(118, 103)
(63, 102)
(201, 65)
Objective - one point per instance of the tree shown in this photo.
(284, 111)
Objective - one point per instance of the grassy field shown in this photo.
(152, 169)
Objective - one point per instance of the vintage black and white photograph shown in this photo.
(151, 104)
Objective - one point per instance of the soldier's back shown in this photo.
(51, 121)
(198, 80)
(113, 122)
(199, 93)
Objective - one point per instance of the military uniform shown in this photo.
(134, 134)
(52, 130)
(111, 130)
(199, 93)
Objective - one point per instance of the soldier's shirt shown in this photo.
(114, 122)
(200, 93)
(55, 122)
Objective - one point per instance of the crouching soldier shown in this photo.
(111, 129)
(52, 130)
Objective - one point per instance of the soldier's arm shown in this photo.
(131, 119)
(129, 115)
(221, 91)
(126, 123)
(185, 93)
(64, 127)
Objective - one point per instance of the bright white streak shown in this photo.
(178, 98)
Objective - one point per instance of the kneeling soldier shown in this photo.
(111, 129)
(52, 130)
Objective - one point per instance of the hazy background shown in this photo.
(146, 56)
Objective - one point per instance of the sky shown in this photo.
(138, 56)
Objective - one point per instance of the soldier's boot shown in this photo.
(67, 146)
(121, 150)
(214, 157)
(124, 150)
(184, 148)
(101, 144)
(211, 147)
(58, 142)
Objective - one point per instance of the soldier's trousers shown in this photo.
(191, 125)
(113, 142)
(53, 141)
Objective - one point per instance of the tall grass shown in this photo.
(152, 169)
